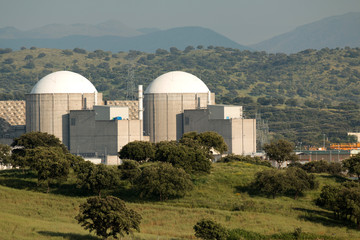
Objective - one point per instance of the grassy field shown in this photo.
(29, 213)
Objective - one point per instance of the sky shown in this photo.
(244, 21)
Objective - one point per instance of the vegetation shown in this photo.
(292, 181)
(129, 170)
(140, 151)
(50, 164)
(343, 200)
(247, 159)
(209, 230)
(95, 177)
(163, 181)
(280, 151)
(352, 164)
(222, 195)
(322, 166)
(5, 154)
(193, 159)
(302, 96)
(108, 217)
(32, 140)
(209, 140)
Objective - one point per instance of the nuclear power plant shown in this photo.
(68, 105)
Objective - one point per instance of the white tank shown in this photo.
(49, 103)
(166, 98)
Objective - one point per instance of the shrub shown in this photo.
(108, 217)
(292, 181)
(79, 50)
(247, 159)
(192, 160)
(209, 230)
(235, 234)
(95, 177)
(163, 181)
(6, 50)
(138, 151)
(130, 170)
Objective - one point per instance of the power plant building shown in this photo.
(68, 105)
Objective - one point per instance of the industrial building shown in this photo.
(68, 105)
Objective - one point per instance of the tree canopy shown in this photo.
(96, 177)
(191, 159)
(140, 151)
(50, 164)
(280, 151)
(5, 154)
(108, 217)
(352, 164)
(32, 140)
(209, 140)
(209, 230)
(163, 181)
(38, 139)
(292, 181)
(129, 170)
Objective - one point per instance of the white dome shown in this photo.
(177, 82)
(63, 82)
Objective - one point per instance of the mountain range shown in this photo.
(331, 32)
(113, 36)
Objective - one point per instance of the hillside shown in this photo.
(28, 213)
(331, 32)
(102, 38)
(302, 96)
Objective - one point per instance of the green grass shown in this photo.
(29, 213)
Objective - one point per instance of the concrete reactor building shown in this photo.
(68, 105)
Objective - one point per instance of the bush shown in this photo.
(108, 217)
(79, 50)
(236, 234)
(192, 160)
(140, 151)
(6, 50)
(343, 200)
(95, 177)
(130, 170)
(247, 159)
(322, 166)
(209, 230)
(67, 52)
(41, 55)
(163, 181)
(292, 181)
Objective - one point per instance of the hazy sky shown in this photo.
(245, 21)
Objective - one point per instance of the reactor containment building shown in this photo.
(68, 105)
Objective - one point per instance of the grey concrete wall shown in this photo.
(243, 136)
(102, 137)
(109, 112)
(239, 134)
(49, 112)
(161, 113)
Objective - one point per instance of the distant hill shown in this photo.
(175, 37)
(111, 27)
(331, 32)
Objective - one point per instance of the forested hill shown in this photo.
(302, 95)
